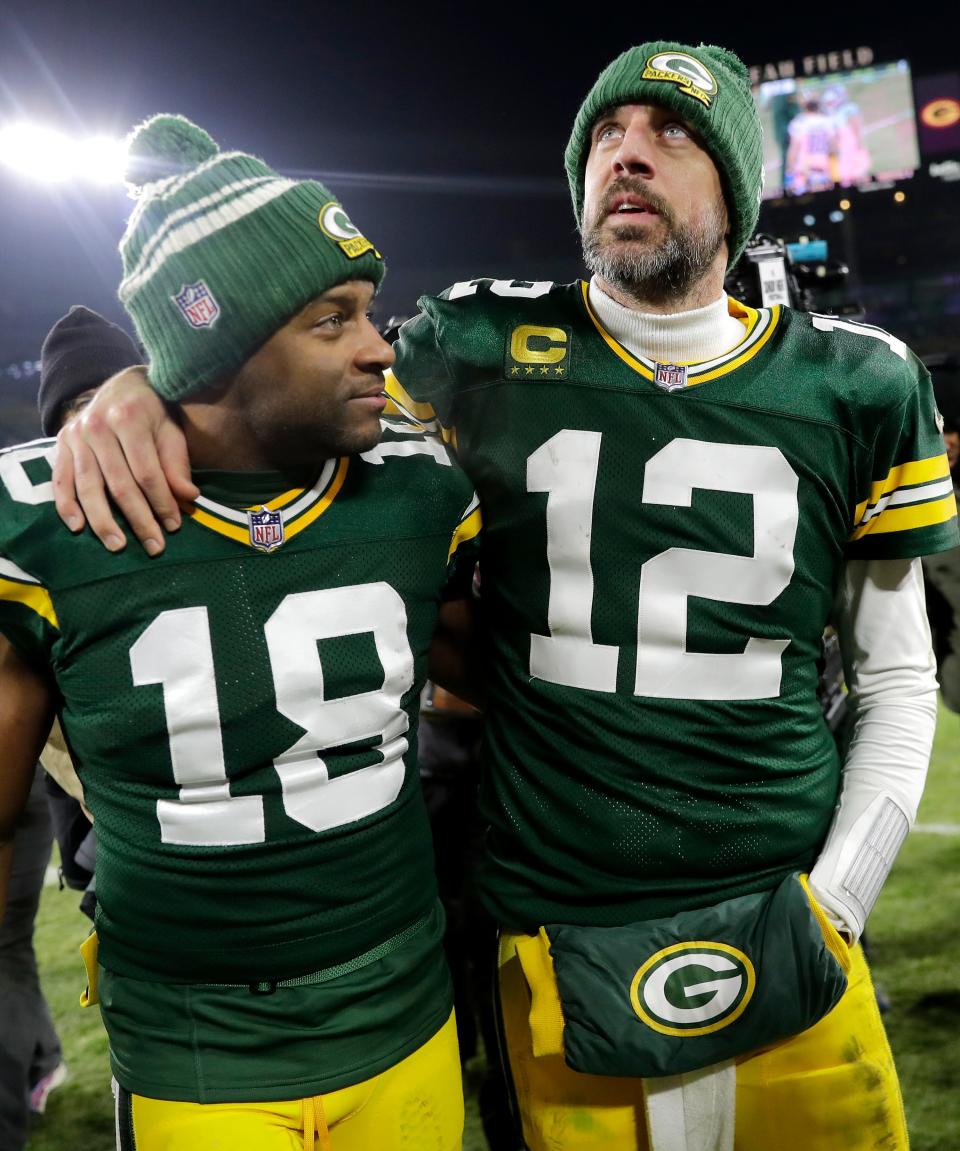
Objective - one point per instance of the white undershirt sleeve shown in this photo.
(881, 620)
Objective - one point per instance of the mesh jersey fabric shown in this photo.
(662, 548)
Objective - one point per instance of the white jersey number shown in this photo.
(176, 651)
(566, 468)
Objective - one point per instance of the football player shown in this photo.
(243, 708)
(680, 493)
(812, 163)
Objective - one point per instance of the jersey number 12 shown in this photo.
(565, 467)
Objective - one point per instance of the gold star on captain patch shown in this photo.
(559, 371)
(514, 371)
(528, 371)
(544, 371)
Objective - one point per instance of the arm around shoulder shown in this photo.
(127, 445)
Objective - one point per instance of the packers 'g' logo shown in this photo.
(335, 223)
(679, 68)
(941, 113)
(693, 988)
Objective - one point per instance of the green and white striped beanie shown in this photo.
(220, 252)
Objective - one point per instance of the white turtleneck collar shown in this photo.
(679, 338)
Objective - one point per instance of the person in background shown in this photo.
(812, 150)
(851, 164)
(449, 757)
(31, 1059)
(80, 351)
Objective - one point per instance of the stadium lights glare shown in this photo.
(52, 157)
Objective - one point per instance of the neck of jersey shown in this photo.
(678, 338)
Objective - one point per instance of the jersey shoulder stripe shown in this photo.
(26, 494)
(913, 494)
(16, 586)
(401, 403)
(469, 527)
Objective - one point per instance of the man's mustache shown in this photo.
(637, 188)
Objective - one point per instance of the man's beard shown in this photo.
(656, 272)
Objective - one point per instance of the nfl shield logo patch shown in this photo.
(197, 305)
(670, 377)
(266, 528)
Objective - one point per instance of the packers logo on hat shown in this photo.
(335, 223)
(678, 68)
(693, 988)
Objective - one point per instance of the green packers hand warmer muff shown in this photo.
(674, 995)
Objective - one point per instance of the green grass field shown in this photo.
(916, 958)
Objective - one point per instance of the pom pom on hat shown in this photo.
(164, 146)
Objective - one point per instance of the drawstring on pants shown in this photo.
(315, 1121)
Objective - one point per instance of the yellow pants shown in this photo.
(416, 1105)
(831, 1088)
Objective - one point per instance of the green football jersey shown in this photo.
(662, 548)
(243, 711)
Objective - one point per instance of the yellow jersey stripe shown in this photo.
(31, 595)
(406, 404)
(286, 498)
(468, 529)
(905, 475)
(921, 494)
(281, 501)
(902, 519)
(749, 317)
(617, 349)
(317, 509)
(221, 527)
(739, 361)
(744, 313)
(241, 532)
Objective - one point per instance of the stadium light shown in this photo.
(52, 157)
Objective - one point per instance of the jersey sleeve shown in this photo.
(464, 551)
(906, 506)
(420, 383)
(27, 615)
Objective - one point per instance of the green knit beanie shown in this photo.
(221, 252)
(710, 88)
